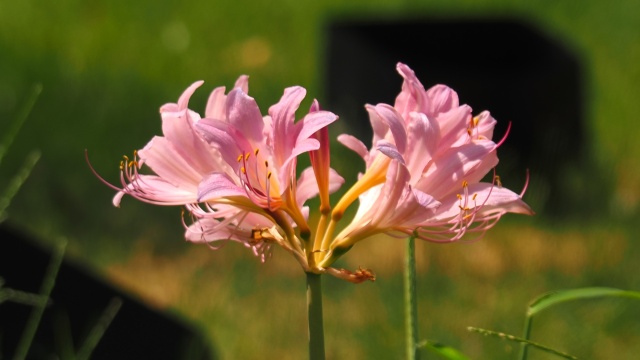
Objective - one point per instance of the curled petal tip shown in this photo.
(359, 276)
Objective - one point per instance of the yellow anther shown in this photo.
(240, 157)
(243, 170)
(121, 165)
(135, 153)
(475, 121)
(474, 197)
(266, 163)
(465, 183)
(256, 234)
(498, 182)
(269, 175)
(131, 163)
(246, 157)
(459, 196)
(256, 151)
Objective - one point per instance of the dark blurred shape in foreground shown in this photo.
(77, 302)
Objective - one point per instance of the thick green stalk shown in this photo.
(410, 301)
(314, 312)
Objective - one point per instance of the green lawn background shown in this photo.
(106, 67)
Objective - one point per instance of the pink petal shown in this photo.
(244, 115)
(155, 190)
(183, 101)
(422, 143)
(242, 83)
(220, 136)
(489, 199)
(216, 108)
(486, 124)
(218, 185)
(283, 116)
(390, 150)
(395, 123)
(453, 127)
(164, 159)
(469, 162)
(307, 186)
(379, 126)
(442, 99)
(412, 97)
(189, 144)
(352, 143)
(313, 122)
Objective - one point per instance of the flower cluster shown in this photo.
(235, 172)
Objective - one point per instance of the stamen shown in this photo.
(240, 157)
(256, 151)
(497, 180)
(256, 234)
(504, 138)
(246, 157)
(526, 185)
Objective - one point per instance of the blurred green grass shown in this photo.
(106, 67)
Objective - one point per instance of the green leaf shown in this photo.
(444, 351)
(556, 297)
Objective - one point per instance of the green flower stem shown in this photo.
(524, 351)
(314, 311)
(410, 301)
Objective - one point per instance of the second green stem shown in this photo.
(410, 301)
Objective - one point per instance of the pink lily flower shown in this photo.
(424, 171)
(234, 170)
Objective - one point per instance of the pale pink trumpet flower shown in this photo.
(233, 169)
(423, 173)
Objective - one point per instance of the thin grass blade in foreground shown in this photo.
(16, 182)
(34, 319)
(15, 126)
(520, 340)
(20, 297)
(98, 330)
(553, 298)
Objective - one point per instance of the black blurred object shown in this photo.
(508, 67)
(77, 301)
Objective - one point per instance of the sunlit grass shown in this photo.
(485, 284)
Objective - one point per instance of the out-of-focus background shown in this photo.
(107, 67)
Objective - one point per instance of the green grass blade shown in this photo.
(15, 126)
(45, 290)
(17, 181)
(21, 297)
(446, 352)
(98, 330)
(504, 336)
(557, 297)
